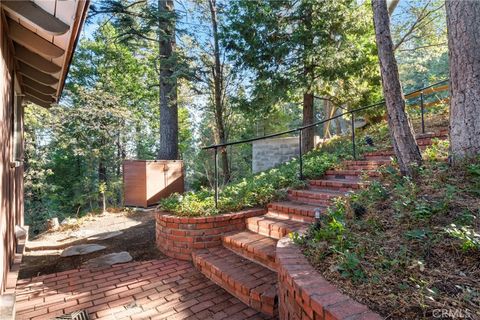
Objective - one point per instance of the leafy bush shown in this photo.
(253, 191)
(259, 189)
(469, 239)
(350, 266)
(437, 151)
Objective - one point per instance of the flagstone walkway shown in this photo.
(157, 289)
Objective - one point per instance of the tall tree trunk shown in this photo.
(308, 140)
(326, 126)
(218, 91)
(119, 156)
(338, 123)
(138, 141)
(102, 178)
(168, 148)
(401, 131)
(463, 25)
(308, 118)
(392, 5)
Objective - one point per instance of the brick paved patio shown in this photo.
(158, 289)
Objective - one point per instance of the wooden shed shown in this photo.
(145, 182)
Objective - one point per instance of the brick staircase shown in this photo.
(246, 265)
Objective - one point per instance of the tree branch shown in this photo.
(423, 47)
(422, 16)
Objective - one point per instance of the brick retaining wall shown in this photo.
(178, 237)
(303, 293)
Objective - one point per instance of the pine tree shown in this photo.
(298, 49)
(401, 131)
(463, 23)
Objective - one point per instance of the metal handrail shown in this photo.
(427, 87)
(300, 129)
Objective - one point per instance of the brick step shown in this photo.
(314, 197)
(423, 147)
(274, 225)
(423, 137)
(442, 134)
(293, 210)
(367, 157)
(366, 163)
(364, 167)
(380, 153)
(294, 217)
(428, 141)
(336, 174)
(445, 131)
(312, 202)
(253, 246)
(338, 184)
(350, 174)
(251, 283)
(317, 193)
(425, 142)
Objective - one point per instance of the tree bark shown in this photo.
(218, 91)
(338, 123)
(308, 137)
(327, 108)
(401, 131)
(392, 5)
(463, 26)
(102, 178)
(168, 148)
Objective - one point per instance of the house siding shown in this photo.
(11, 179)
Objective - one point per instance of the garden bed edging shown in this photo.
(304, 293)
(178, 237)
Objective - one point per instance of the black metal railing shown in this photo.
(414, 94)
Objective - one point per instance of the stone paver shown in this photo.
(81, 249)
(157, 289)
(109, 259)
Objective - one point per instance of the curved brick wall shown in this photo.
(303, 293)
(178, 237)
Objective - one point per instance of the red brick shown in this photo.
(121, 302)
(107, 299)
(201, 306)
(62, 305)
(344, 309)
(78, 307)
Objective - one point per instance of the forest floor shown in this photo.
(43, 252)
(407, 248)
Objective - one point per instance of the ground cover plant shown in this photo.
(257, 190)
(409, 248)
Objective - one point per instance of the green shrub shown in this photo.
(437, 151)
(405, 192)
(252, 191)
(469, 239)
(351, 267)
(257, 190)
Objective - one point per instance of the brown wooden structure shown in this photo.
(146, 182)
(37, 41)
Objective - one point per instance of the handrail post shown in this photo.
(216, 177)
(422, 108)
(300, 154)
(353, 137)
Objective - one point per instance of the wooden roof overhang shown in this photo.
(43, 36)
